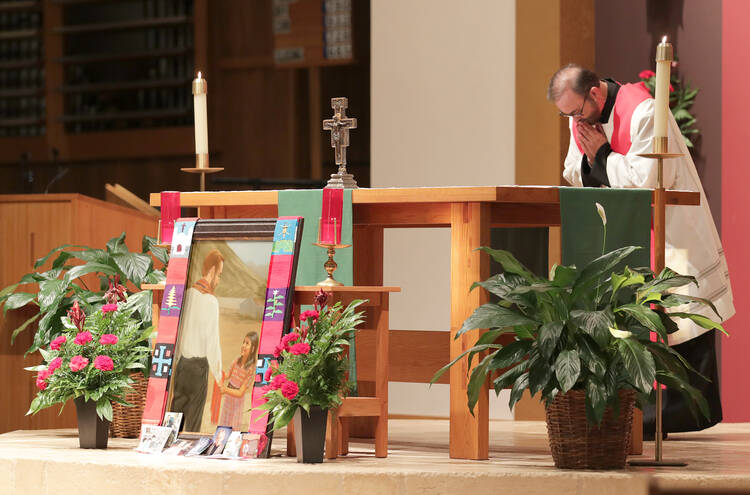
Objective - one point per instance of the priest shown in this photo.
(610, 124)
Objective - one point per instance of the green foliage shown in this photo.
(681, 100)
(584, 328)
(62, 283)
(321, 373)
(103, 387)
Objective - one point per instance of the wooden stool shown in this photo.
(337, 437)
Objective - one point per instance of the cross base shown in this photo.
(342, 181)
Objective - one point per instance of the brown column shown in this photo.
(549, 34)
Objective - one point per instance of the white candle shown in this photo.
(663, 67)
(201, 118)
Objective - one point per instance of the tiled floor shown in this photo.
(418, 463)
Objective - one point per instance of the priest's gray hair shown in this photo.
(572, 76)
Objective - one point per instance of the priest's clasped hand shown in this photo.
(591, 137)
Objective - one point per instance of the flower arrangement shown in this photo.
(94, 356)
(584, 329)
(312, 370)
(681, 99)
(65, 282)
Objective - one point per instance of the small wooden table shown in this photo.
(376, 320)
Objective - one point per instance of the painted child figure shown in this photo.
(240, 378)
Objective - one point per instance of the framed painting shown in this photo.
(226, 304)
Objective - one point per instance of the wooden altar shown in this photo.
(469, 212)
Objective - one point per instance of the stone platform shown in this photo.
(49, 462)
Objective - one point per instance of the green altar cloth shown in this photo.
(628, 213)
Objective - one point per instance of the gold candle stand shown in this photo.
(660, 147)
(330, 265)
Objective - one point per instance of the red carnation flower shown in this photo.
(289, 389)
(310, 313)
(78, 363)
(41, 384)
(108, 308)
(108, 339)
(59, 341)
(104, 363)
(83, 338)
(277, 350)
(300, 348)
(277, 381)
(54, 364)
(289, 338)
(645, 74)
(267, 374)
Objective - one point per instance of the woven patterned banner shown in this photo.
(277, 316)
(169, 318)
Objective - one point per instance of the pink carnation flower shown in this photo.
(310, 313)
(289, 389)
(300, 348)
(289, 338)
(645, 74)
(108, 339)
(104, 363)
(277, 351)
(41, 384)
(44, 374)
(267, 374)
(277, 381)
(78, 363)
(59, 341)
(54, 364)
(107, 308)
(83, 338)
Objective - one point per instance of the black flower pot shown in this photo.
(93, 432)
(310, 434)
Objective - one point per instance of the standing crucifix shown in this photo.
(339, 126)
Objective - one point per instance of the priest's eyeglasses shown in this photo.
(579, 112)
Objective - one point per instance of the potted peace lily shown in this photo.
(582, 338)
(91, 363)
(311, 377)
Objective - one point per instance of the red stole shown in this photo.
(628, 98)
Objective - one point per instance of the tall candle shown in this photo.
(664, 56)
(201, 119)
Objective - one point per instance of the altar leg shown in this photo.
(469, 435)
(368, 270)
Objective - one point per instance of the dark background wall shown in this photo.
(626, 37)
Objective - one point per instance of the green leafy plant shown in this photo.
(312, 369)
(584, 328)
(681, 98)
(64, 282)
(93, 357)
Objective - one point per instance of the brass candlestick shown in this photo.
(330, 265)
(661, 152)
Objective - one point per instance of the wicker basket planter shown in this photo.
(577, 445)
(126, 421)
